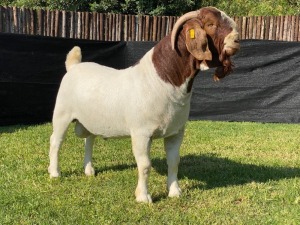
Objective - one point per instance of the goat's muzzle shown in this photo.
(230, 51)
(231, 43)
(231, 46)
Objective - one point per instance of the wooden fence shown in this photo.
(115, 27)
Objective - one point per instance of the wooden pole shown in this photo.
(297, 31)
(71, 21)
(147, 28)
(63, 25)
(1, 16)
(154, 28)
(125, 33)
(140, 28)
(101, 27)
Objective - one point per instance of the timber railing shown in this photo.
(117, 27)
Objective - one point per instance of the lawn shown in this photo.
(230, 173)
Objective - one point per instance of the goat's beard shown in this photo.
(222, 52)
(226, 47)
(226, 68)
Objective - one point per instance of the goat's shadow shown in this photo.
(215, 172)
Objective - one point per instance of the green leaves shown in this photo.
(165, 7)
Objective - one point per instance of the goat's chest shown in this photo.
(168, 118)
(158, 109)
(173, 120)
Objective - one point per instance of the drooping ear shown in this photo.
(197, 43)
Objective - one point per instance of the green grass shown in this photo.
(230, 173)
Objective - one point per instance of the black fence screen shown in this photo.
(264, 87)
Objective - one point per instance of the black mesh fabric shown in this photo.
(264, 87)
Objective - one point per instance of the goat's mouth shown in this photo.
(231, 47)
(226, 64)
(230, 51)
(231, 43)
(221, 72)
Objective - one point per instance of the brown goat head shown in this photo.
(221, 33)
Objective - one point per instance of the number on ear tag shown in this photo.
(192, 33)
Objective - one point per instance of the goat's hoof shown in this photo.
(174, 192)
(89, 171)
(145, 198)
(54, 174)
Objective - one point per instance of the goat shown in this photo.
(146, 101)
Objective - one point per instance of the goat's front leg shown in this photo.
(88, 166)
(141, 150)
(172, 146)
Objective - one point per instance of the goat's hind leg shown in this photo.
(60, 126)
(88, 165)
(82, 132)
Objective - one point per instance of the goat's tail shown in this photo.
(73, 57)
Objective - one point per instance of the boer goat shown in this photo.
(148, 100)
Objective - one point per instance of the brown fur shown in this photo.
(173, 67)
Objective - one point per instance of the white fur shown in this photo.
(134, 102)
(229, 40)
(74, 57)
(203, 66)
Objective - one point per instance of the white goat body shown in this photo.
(145, 101)
(110, 103)
(117, 103)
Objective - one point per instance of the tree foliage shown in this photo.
(165, 7)
(260, 8)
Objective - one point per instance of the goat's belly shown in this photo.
(103, 123)
(110, 125)
(105, 128)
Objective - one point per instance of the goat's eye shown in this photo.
(210, 25)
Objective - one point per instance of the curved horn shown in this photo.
(179, 22)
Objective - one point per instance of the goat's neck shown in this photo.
(175, 66)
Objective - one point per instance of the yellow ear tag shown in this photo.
(192, 33)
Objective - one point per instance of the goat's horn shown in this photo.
(179, 22)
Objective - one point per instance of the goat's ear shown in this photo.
(197, 43)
